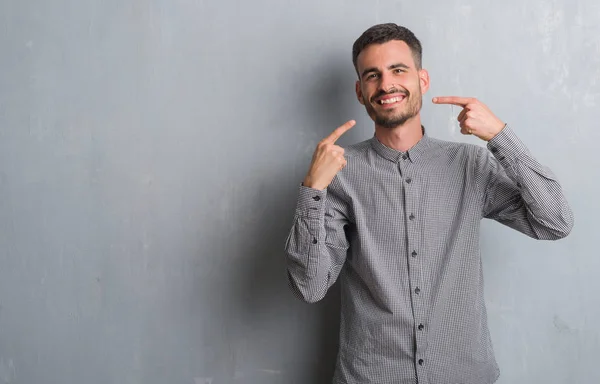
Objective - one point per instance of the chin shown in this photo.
(391, 122)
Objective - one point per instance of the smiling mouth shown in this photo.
(391, 100)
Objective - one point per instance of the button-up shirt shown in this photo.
(401, 231)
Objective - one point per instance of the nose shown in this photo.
(386, 83)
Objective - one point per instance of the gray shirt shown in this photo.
(401, 230)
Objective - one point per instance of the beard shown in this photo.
(393, 119)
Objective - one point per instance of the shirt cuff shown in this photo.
(311, 202)
(506, 147)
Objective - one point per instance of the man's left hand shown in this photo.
(475, 118)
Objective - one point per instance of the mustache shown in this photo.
(389, 92)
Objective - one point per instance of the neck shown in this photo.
(402, 137)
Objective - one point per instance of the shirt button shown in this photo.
(417, 290)
(408, 180)
(317, 198)
(315, 240)
(411, 217)
(404, 157)
(421, 361)
(421, 326)
(414, 254)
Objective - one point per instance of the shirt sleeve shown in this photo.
(317, 244)
(520, 192)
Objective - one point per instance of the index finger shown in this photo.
(339, 131)
(456, 100)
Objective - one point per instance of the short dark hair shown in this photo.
(382, 33)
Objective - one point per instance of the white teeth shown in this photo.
(390, 101)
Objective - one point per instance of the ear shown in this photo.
(424, 80)
(359, 94)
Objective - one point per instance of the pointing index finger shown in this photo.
(339, 131)
(456, 100)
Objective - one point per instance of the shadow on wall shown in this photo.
(254, 331)
(254, 318)
(332, 99)
(265, 288)
(309, 353)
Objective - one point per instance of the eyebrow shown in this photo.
(393, 66)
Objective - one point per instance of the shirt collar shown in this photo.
(413, 154)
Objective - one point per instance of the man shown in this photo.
(397, 219)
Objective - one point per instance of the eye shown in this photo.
(399, 70)
(372, 76)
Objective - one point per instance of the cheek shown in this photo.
(367, 93)
(416, 86)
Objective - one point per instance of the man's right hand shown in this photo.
(327, 160)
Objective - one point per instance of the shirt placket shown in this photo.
(411, 196)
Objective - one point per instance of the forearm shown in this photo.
(312, 264)
(537, 196)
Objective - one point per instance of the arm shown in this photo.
(520, 192)
(316, 246)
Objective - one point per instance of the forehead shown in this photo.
(384, 55)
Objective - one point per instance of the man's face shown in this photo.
(390, 86)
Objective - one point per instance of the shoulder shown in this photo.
(358, 150)
(453, 149)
